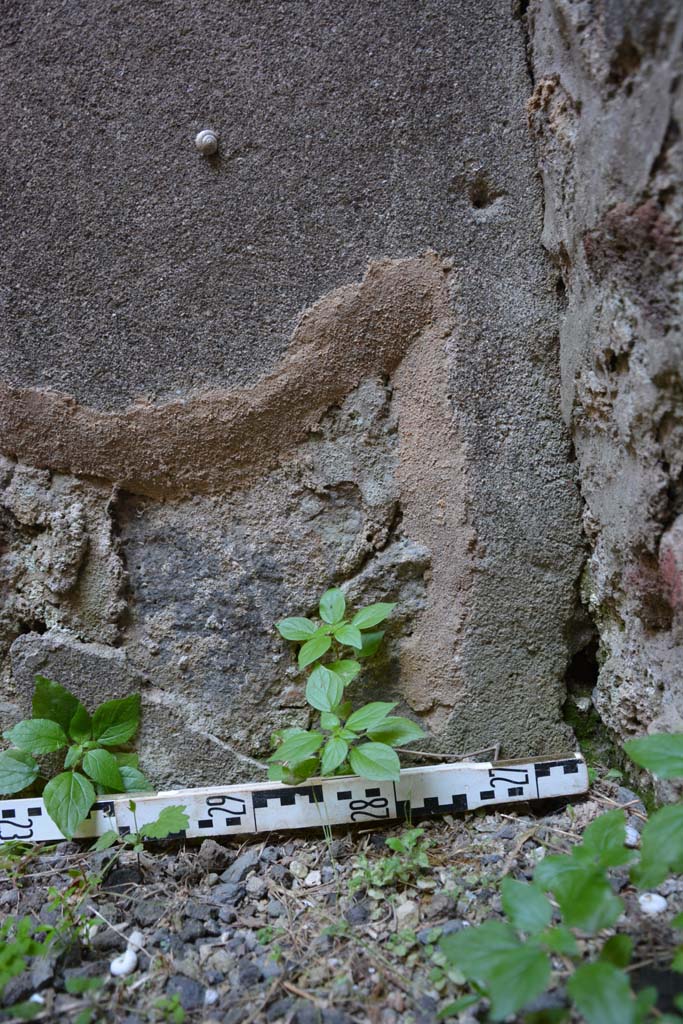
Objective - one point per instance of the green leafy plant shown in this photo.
(169, 821)
(169, 1008)
(510, 962)
(93, 762)
(410, 859)
(357, 742)
(19, 942)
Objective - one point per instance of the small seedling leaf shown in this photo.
(370, 643)
(346, 669)
(396, 731)
(334, 753)
(171, 820)
(371, 616)
(332, 606)
(324, 689)
(350, 636)
(313, 649)
(106, 840)
(298, 747)
(296, 628)
(369, 716)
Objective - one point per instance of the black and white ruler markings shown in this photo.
(271, 807)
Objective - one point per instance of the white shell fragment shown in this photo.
(206, 142)
(632, 837)
(136, 940)
(124, 964)
(651, 903)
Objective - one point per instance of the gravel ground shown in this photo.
(272, 931)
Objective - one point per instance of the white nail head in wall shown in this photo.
(206, 142)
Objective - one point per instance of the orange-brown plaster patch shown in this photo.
(220, 439)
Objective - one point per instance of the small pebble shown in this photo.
(312, 878)
(124, 964)
(651, 903)
(407, 915)
(298, 869)
(210, 997)
(136, 940)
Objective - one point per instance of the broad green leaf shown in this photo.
(604, 840)
(349, 636)
(345, 709)
(491, 954)
(551, 1015)
(346, 669)
(602, 993)
(276, 772)
(328, 720)
(127, 760)
(559, 940)
(116, 721)
(299, 772)
(661, 846)
(313, 649)
(375, 761)
(369, 716)
(76, 986)
(299, 747)
(171, 820)
(371, 616)
(25, 1011)
(280, 735)
(37, 736)
(106, 840)
(646, 999)
(101, 766)
(17, 771)
(370, 643)
(332, 606)
(80, 726)
(527, 908)
(334, 752)
(677, 962)
(68, 799)
(133, 780)
(396, 731)
(582, 890)
(661, 754)
(617, 950)
(324, 689)
(50, 700)
(296, 628)
(347, 734)
(457, 1007)
(73, 755)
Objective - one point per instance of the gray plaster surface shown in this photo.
(327, 355)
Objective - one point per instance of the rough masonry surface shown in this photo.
(326, 355)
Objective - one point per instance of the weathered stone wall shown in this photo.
(607, 112)
(327, 355)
